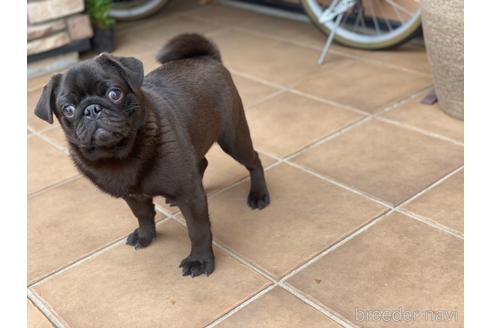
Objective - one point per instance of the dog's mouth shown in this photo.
(104, 139)
(120, 144)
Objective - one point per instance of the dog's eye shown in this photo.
(68, 110)
(115, 94)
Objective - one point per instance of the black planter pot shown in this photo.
(102, 41)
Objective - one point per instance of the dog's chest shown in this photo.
(116, 180)
(117, 185)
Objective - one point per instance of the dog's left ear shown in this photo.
(46, 103)
(130, 68)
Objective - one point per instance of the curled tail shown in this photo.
(187, 46)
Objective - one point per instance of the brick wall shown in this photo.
(53, 24)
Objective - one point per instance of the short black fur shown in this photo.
(138, 137)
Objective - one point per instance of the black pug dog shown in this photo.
(137, 137)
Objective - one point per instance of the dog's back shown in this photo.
(198, 87)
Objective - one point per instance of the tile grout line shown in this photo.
(257, 79)
(240, 306)
(416, 129)
(327, 101)
(329, 137)
(403, 101)
(337, 244)
(317, 305)
(46, 310)
(431, 222)
(245, 262)
(340, 184)
(49, 128)
(49, 141)
(432, 185)
(264, 99)
(54, 185)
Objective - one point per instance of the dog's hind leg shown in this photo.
(236, 141)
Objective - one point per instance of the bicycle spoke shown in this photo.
(357, 20)
(386, 22)
(374, 19)
(344, 20)
(400, 8)
(397, 12)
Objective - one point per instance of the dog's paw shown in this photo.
(196, 265)
(258, 200)
(139, 239)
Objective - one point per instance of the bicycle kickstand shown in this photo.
(329, 41)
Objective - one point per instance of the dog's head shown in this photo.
(98, 104)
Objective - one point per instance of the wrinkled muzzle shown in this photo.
(102, 127)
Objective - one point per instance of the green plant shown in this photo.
(98, 11)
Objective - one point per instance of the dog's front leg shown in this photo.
(195, 212)
(143, 208)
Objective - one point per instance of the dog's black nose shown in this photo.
(92, 111)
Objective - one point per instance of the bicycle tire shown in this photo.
(134, 10)
(409, 33)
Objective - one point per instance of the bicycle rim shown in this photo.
(378, 33)
(131, 10)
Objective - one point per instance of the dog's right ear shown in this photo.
(46, 103)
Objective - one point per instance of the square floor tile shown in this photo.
(288, 122)
(126, 288)
(397, 264)
(70, 221)
(35, 319)
(279, 62)
(278, 308)
(306, 215)
(46, 165)
(250, 91)
(428, 118)
(222, 171)
(366, 86)
(384, 160)
(34, 122)
(444, 203)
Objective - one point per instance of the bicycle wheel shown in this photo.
(125, 10)
(370, 24)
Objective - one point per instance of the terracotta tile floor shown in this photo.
(366, 186)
